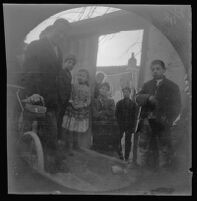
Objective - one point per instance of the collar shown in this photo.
(66, 71)
(156, 80)
(102, 97)
(126, 99)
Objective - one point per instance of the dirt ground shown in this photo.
(24, 180)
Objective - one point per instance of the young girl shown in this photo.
(76, 118)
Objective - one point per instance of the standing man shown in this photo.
(42, 65)
(161, 104)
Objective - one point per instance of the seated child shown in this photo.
(76, 118)
(125, 114)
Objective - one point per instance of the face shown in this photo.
(57, 37)
(104, 91)
(157, 71)
(126, 93)
(99, 78)
(69, 64)
(82, 77)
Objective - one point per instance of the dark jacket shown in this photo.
(41, 71)
(96, 90)
(168, 98)
(103, 109)
(64, 87)
(126, 114)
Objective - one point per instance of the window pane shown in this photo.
(116, 49)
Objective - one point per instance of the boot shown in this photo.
(119, 151)
(127, 154)
(121, 156)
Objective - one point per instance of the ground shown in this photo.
(24, 180)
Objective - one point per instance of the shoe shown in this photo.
(70, 153)
(51, 170)
(121, 157)
(126, 159)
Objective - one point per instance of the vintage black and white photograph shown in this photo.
(98, 99)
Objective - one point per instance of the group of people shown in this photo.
(105, 111)
(46, 76)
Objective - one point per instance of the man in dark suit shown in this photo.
(161, 104)
(42, 80)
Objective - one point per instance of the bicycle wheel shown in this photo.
(31, 150)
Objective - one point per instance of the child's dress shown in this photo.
(76, 117)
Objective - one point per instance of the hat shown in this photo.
(46, 31)
(62, 25)
(160, 62)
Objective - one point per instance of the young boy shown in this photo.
(160, 100)
(125, 114)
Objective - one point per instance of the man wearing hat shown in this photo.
(161, 104)
(41, 74)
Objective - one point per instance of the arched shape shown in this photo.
(170, 20)
(71, 15)
(39, 163)
(28, 16)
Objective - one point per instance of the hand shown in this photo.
(164, 120)
(80, 105)
(35, 98)
(152, 100)
(75, 105)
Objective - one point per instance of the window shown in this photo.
(116, 49)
